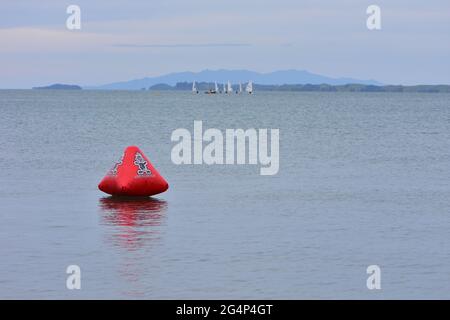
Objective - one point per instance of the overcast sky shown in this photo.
(122, 40)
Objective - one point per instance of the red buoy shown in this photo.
(133, 175)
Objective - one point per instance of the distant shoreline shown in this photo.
(58, 86)
(203, 86)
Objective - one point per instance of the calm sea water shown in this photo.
(364, 179)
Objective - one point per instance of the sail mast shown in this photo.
(249, 87)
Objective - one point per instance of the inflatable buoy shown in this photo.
(133, 175)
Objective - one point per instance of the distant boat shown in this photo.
(216, 89)
(229, 88)
(194, 88)
(249, 88)
(240, 88)
(224, 88)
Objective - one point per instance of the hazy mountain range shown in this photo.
(235, 76)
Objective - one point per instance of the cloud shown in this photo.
(183, 45)
(38, 40)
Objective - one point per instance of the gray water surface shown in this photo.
(364, 179)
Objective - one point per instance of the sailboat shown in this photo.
(229, 88)
(213, 91)
(194, 88)
(240, 88)
(224, 88)
(249, 88)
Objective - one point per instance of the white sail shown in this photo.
(240, 87)
(229, 88)
(194, 87)
(224, 88)
(249, 87)
(216, 88)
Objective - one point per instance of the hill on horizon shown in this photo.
(221, 76)
(58, 86)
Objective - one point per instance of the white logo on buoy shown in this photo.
(235, 147)
(142, 165)
(113, 171)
